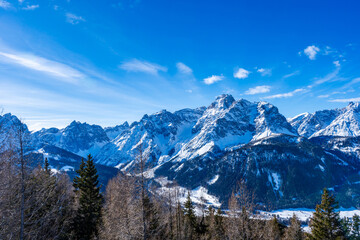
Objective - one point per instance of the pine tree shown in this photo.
(88, 215)
(47, 166)
(346, 227)
(294, 231)
(190, 218)
(355, 233)
(325, 223)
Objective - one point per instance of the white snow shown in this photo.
(213, 180)
(304, 214)
(67, 168)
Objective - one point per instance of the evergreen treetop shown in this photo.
(325, 223)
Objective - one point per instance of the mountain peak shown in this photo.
(75, 123)
(353, 105)
(223, 101)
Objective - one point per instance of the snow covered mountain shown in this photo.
(286, 162)
(10, 128)
(308, 124)
(347, 124)
(343, 122)
(190, 133)
(78, 138)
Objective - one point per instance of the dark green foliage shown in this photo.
(355, 233)
(47, 166)
(346, 227)
(325, 223)
(88, 215)
(190, 218)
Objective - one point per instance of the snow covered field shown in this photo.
(304, 214)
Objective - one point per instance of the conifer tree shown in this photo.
(355, 233)
(325, 223)
(47, 166)
(88, 215)
(190, 218)
(346, 227)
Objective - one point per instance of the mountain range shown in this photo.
(286, 162)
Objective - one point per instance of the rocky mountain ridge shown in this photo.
(214, 147)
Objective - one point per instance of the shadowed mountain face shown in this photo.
(286, 162)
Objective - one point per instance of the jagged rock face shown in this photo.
(158, 134)
(113, 132)
(78, 138)
(307, 124)
(227, 123)
(347, 124)
(286, 163)
(283, 171)
(10, 130)
(343, 122)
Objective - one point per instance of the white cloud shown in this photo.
(258, 89)
(264, 71)
(213, 79)
(286, 95)
(346, 100)
(136, 65)
(241, 73)
(324, 96)
(189, 91)
(74, 19)
(311, 52)
(291, 74)
(62, 71)
(336, 63)
(331, 77)
(31, 7)
(4, 4)
(183, 68)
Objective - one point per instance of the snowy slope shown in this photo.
(227, 123)
(113, 132)
(78, 138)
(347, 124)
(308, 124)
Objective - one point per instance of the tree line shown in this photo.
(38, 204)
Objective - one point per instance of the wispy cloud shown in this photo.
(346, 100)
(264, 71)
(182, 68)
(331, 77)
(60, 70)
(257, 90)
(31, 7)
(311, 52)
(136, 65)
(213, 79)
(74, 19)
(291, 74)
(352, 82)
(336, 63)
(324, 96)
(286, 95)
(241, 73)
(5, 4)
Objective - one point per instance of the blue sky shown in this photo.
(105, 62)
